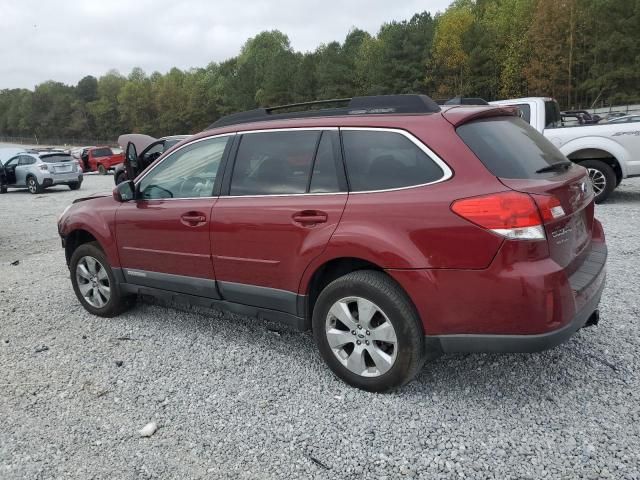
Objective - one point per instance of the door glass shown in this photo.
(12, 162)
(188, 173)
(270, 163)
(325, 177)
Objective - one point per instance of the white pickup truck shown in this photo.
(610, 151)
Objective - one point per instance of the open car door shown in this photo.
(131, 160)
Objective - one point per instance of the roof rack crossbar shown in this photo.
(379, 104)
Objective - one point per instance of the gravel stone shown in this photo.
(236, 400)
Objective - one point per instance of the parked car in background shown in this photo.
(37, 171)
(3, 178)
(625, 119)
(396, 229)
(100, 159)
(610, 151)
(150, 149)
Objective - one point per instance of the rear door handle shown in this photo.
(193, 219)
(310, 217)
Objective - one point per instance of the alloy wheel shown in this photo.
(93, 281)
(32, 185)
(598, 180)
(361, 336)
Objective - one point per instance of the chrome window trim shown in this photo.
(447, 172)
(158, 163)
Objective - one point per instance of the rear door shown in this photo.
(285, 196)
(163, 235)
(22, 170)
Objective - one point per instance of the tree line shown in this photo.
(581, 52)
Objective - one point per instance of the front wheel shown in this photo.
(33, 185)
(94, 283)
(3, 189)
(603, 178)
(368, 332)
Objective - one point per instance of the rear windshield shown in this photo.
(509, 147)
(56, 158)
(552, 117)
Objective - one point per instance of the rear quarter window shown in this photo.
(382, 160)
(509, 147)
(102, 152)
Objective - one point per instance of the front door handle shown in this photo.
(193, 219)
(310, 217)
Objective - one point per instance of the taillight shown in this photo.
(512, 214)
(43, 166)
(549, 206)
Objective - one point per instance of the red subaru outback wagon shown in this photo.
(394, 228)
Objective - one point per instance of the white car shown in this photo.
(610, 151)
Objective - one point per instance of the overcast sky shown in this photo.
(65, 40)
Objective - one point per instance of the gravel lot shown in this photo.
(236, 398)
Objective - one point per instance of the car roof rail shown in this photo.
(377, 104)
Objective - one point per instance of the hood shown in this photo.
(138, 139)
(92, 197)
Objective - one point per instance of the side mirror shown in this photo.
(132, 155)
(124, 192)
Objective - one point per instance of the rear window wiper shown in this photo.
(555, 166)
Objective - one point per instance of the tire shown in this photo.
(3, 189)
(122, 176)
(102, 170)
(373, 290)
(102, 302)
(603, 178)
(33, 185)
(75, 186)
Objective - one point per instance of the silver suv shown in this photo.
(37, 171)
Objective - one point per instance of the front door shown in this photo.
(285, 201)
(163, 235)
(10, 169)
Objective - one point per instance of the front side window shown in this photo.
(188, 173)
(271, 163)
(12, 162)
(380, 160)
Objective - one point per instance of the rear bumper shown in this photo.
(516, 343)
(63, 178)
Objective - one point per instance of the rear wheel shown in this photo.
(94, 283)
(74, 186)
(603, 178)
(368, 332)
(33, 185)
(102, 170)
(3, 189)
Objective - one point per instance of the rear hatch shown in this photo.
(59, 163)
(525, 161)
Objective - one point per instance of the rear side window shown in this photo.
(271, 163)
(509, 147)
(380, 160)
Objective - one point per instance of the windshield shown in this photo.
(509, 147)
